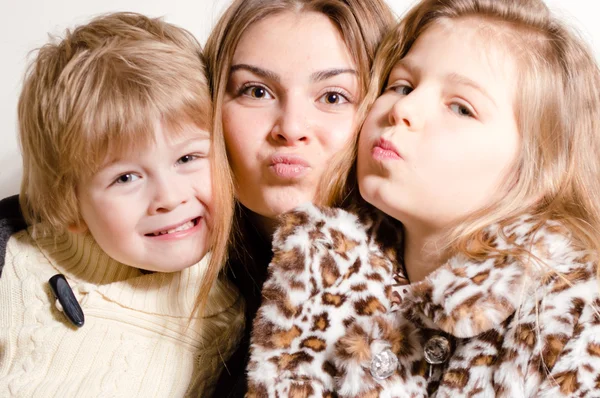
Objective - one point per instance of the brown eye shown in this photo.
(256, 92)
(333, 98)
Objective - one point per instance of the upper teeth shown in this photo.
(182, 227)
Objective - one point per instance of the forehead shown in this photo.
(294, 42)
(469, 47)
(136, 143)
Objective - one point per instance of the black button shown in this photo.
(63, 293)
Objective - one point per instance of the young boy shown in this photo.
(119, 193)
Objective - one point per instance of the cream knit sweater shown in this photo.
(137, 340)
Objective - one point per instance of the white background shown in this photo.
(27, 23)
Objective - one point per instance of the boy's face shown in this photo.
(152, 209)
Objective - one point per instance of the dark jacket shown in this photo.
(11, 221)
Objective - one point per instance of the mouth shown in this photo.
(176, 228)
(384, 149)
(288, 166)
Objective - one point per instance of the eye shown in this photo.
(257, 92)
(186, 159)
(126, 178)
(461, 110)
(333, 98)
(402, 89)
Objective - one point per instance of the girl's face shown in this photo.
(290, 106)
(439, 141)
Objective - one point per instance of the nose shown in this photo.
(405, 112)
(167, 192)
(292, 126)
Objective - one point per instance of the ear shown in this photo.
(77, 228)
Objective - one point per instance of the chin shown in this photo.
(370, 192)
(278, 203)
(171, 265)
(167, 268)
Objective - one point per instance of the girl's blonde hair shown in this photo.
(557, 109)
(361, 23)
(99, 92)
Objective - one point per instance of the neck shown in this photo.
(422, 255)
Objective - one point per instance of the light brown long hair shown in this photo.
(361, 23)
(557, 109)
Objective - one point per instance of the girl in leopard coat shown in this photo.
(475, 274)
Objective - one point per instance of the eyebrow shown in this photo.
(267, 74)
(329, 73)
(314, 77)
(120, 157)
(204, 136)
(407, 64)
(465, 81)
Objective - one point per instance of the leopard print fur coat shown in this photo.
(335, 301)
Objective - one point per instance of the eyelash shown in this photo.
(343, 93)
(243, 90)
(193, 156)
(245, 87)
(470, 112)
(118, 181)
(394, 87)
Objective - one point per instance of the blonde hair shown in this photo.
(99, 92)
(557, 109)
(361, 23)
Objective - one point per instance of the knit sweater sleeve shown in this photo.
(325, 277)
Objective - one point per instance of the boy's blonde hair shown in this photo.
(557, 106)
(98, 93)
(361, 23)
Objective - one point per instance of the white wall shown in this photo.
(27, 23)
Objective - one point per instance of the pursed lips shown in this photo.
(288, 166)
(384, 149)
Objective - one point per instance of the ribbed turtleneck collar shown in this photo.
(88, 268)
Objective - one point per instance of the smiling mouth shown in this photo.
(183, 227)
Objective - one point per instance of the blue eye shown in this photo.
(186, 159)
(402, 89)
(126, 178)
(461, 110)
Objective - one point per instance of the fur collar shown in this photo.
(466, 297)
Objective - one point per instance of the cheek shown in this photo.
(203, 186)
(244, 133)
(108, 217)
(472, 167)
(335, 133)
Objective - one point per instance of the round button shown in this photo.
(384, 364)
(437, 350)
